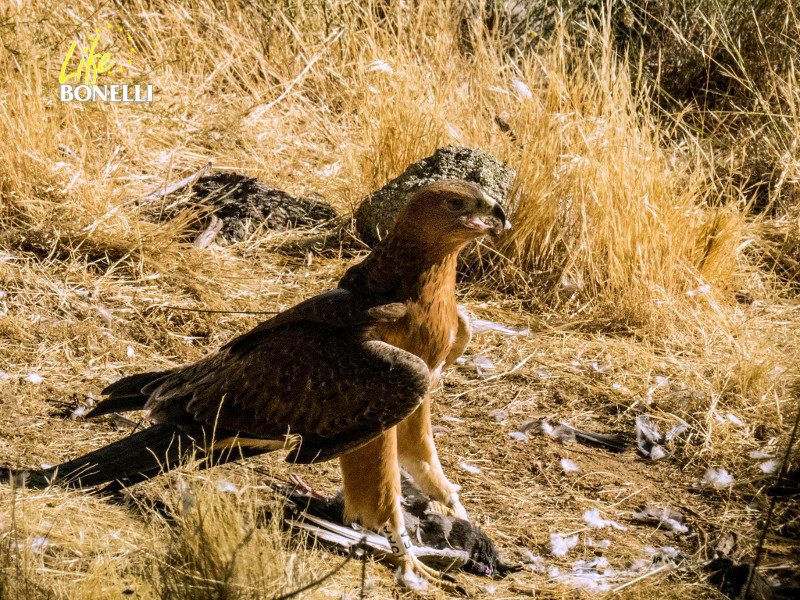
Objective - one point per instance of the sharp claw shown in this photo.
(454, 509)
(459, 510)
(307, 489)
(413, 574)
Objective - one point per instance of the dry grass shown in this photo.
(617, 215)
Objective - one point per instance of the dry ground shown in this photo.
(628, 250)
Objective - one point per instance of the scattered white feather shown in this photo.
(536, 563)
(657, 452)
(481, 363)
(590, 583)
(675, 431)
(718, 478)
(469, 468)
(78, 412)
(452, 419)
(3, 374)
(674, 525)
(522, 89)
(411, 580)
(39, 543)
(703, 289)
(735, 420)
(593, 519)
(759, 454)
(34, 378)
(381, 66)
(597, 565)
(600, 544)
(560, 545)
(480, 326)
(664, 518)
(105, 314)
(130, 352)
(569, 465)
(770, 466)
(226, 486)
(519, 436)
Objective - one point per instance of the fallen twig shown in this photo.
(166, 191)
(519, 365)
(211, 231)
(646, 575)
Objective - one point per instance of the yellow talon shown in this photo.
(453, 509)
(414, 574)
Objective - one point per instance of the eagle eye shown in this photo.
(455, 204)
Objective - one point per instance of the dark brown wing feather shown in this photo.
(314, 370)
(319, 381)
(337, 307)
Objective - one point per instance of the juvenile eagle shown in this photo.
(344, 374)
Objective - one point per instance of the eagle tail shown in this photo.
(129, 460)
(129, 393)
(137, 457)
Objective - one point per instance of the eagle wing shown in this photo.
(462, 337)
(316, 371)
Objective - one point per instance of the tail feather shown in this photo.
(128, 393)
(131, 459)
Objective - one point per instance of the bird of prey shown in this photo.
(344, 374)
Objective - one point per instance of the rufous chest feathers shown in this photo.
(429, 327)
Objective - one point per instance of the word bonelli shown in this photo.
(89, 63)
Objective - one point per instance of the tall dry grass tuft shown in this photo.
(198, 538)
(601, 209)
(370, 89)
(222, 541)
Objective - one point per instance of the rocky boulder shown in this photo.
(241, 204)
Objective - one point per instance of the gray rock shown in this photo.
(378, 212)
(243, 204)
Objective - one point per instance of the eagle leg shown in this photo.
(417, 454)
(372, 497)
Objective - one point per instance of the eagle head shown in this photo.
(457, 211)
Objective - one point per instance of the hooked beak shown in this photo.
(495, 224)
(500, 217)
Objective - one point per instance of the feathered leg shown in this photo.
(417, 454)
(371, 485)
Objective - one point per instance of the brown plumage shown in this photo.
(346, 373)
